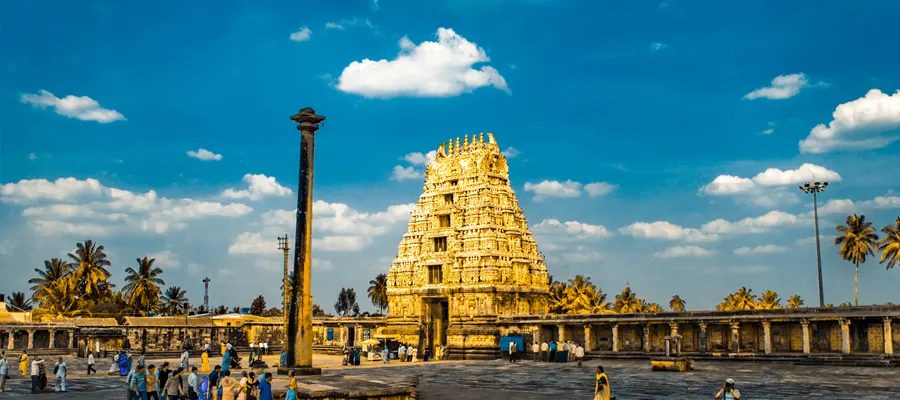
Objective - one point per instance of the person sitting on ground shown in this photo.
(728, 392)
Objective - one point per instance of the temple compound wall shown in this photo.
(467, 257)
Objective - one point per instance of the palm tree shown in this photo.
(142, 285)
(769, 300)
(19, 302)
(794, 302)
(557, 297)
(858, 238)
(582, 297)
(220, 310)
(627, 301)
(62, 299)
(54, 270)
(378, 292)
(677, 304)
(174, 300)
(91, 275)
(744, 299)
(890, 244)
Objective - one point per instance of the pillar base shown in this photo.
(301, 371)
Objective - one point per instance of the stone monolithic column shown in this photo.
(646, 337)
(673, 331)
(30, 339)
(767, 336)
(52, 338)
(805, 325)
(587, 338)
(12, 339)
(845, 335)
(888, 336)
(561, 330)
(704, 344)
(615, 338)
(735, 337)
(300, 332)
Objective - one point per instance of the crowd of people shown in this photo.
(552, 351)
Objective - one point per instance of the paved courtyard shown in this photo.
(631, 379)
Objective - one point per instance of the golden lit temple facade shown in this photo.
(467, 257)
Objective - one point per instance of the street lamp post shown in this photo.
(284, 245)
(813, 188)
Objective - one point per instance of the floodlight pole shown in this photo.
(816, 187)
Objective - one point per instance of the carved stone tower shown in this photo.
(467, 257)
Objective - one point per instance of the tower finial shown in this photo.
(458, 147)
(481, 140)
(450, 147)
(466, 143)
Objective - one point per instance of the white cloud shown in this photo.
(847, 206)
(666, 230)
(764, 249)
(302, 35)
(887, 202)
(62, 189)
(32, 156)
(770, 188)
(728, 184)
(511, 152)
(682, 251)
(547, 189)
(259, 187)
(355, 21)
(80, 107)
(333, 25)
(806, 172)
(575, 229)
(759, 224)
(416, 159)
(597, 189)
(768, 131)
(341, 243)
(783, 87)
(431, 69)
(204, 154)
(402, 173)
(838, 206)
(164, 259)
(420, 159)
(657, 46)
(869, 122)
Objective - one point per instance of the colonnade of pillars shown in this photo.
(734, 331)
(11, 334)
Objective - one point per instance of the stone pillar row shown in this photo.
(615, 337)
(888, 336)
(52, 338)
(587, 338)
(735, 337)
(704, 344)
(767, 337)
(805, 325)
(845, 335)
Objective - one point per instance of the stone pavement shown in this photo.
(630, 379)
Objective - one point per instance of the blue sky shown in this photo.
(675, 111)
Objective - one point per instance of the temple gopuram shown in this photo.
(467, 257)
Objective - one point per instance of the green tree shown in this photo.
(318, 311)
(857, 239)
(769, 300)
(582, 297)
(794, 302)
(90, 270)
(258, 306)
(653, 308)
(890, 244)
(142, 285)
(174, 301)
(346, 304)
(742, 299)
(62, 299)
(220, 310)
(54, 270)
(378, 292)
(558, 297)
(677, 304)
(18, 302)
(628, 302)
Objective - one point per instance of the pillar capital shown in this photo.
(766, 323)
(734, 325)
(702, 325)
(844, 321)
(804, 322)
(887, 320)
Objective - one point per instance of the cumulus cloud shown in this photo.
(204, 154)
(598, 189)
(769, 188)
(666, 230)
(568, 189)
(764, 249)
(259, 187)
(430, 69)
(682, 251)
(415, 168)
(401, 173)
(870, 122)
(712, 230)
(511, 152)
(759, 224)
(847, 206)
(61, 190)
(782, 87)
(302, 35)
(80, 107)
(574, 229)
(569, 242)
(164, 259)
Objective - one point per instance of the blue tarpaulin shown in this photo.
(330, 335)
(505, 340)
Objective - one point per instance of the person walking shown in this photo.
(204, 362)
(90, 363)
(173, 386)
(728, 392)
(385, 355)
(545, 351)
(292, 387)
(185, 361)
(35, 374)
(141, 358)
(535, 351)
(265, 387)
(164, 373)
(193, 384)
(152, 383)
(512, 351)
(139, 382)
(282, 360)
(553, 347)
(579, 354)
(60, 369)
(4, 372)
(214, 382)
(401, 353)
(601, 385)
(23, 363)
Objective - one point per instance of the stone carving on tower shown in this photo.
(468, 255)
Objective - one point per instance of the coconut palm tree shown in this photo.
(90, 270)
(18, 302)
(653, 308)
(54, 270)
(557, 297)
(744, 299)
(174, 300)
(858, 239)
(769, 300)
(627, 301)
(890, 244)
(794, 302)
(220, 310)
(378, 292)
(677, 304)
(142, 285)
(62, 299)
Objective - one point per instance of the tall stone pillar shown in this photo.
(30, 339)
(587, 338)
(704, 344)
(562, 332)
(845, 335)
(615, 338)
(673, 328)
(735, 337)
(805, 325)
(12, 339)
(888, 336)
(300, 332)
(645, 339)
(52, 338)
(767, 337)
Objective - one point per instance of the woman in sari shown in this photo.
(114, 367)
(204, 362)
(282, 362)
(124, 362)
(228, 386)
(23, 364)
(242, 387)
(292, 387)
(601, 387)
(226, 360)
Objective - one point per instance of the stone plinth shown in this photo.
(301, 371)
(337, 387)
(672, 364)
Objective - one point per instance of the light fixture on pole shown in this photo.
(813, 188)
(284, 245)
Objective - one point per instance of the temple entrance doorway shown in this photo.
(437, 317)
(351, 336)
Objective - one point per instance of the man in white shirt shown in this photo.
(512, 351)
(536, 351)
(4, 370)
(91, 363)
(60, 370)
(194, 384)
(35, 374)
(186, 360)
(579, 354)
(401, 353)
(545, 348)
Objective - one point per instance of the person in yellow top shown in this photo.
(23, 363)
(601, 387)
(204, 362)
(292, 387)
(223, 348)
